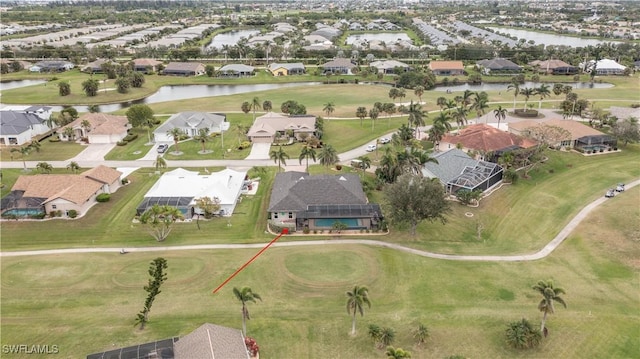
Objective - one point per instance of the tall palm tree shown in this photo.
(279, 157)
(328, 108)
(267, 106)
(160, 162)
(418, 91)
(306, 153)
(365, 163)
(24, 152)
(69, 133)
(203, 138)
(373, 115)
(245, 295)
(543, 91)
(515, 86)
(480, 104)
(550, 294)
(361, 113)
(175, 133)
(500, 114)
(328, 156)
(86, 126)
(356, 300)
(441, 102)
(255, 104)
(460, 115)
(527, 92)
(416, 116)
(443, 119)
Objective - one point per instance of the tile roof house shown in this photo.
(299, 201)
(65, 192)
(190, 123)
(446, 68)
(236, 70)
(266, 128)
(485, 140)
(554, 67)
(95, 67)
(51, 66)
(146, 65)
(579, 136)
(104, 128)
(456, 170)
(286, 69)
(180, 188)
(498, 65)
(184, 69)
(209, 341)
(18, 127)
(338, 66)
(389, 66)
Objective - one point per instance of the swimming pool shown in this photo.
(328, 222)
(22, 212)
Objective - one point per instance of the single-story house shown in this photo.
(609, 67)
(236, 70)
(190, 123)
(184, 69)
(103, 128)
(446, 68)
(51, 66)
(286, 69)
(181, 188)
(554, 67)
(266, 128)
(498, 66)
(18, 127)
(47, 193)
(456, 170)
(578, 135)
(299, 201)
(485, 140)
(146, 65)
(209, 341)
(339, 66)
(95, 67)
(389, 66)
(622, 113)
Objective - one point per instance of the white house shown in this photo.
(190, 123)
(181, 188)
(18, 127)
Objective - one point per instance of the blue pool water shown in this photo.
(22, 212)
(328, 222)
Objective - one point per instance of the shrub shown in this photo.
(511, 176)
(467, 197)
(122, 143)
(244, 144)
(37, 216)
(306, 230)
(72, 213)
(103, 197)
(338, 167)
(130, 137)
(125, 181)
(523, 335)
(54, 139)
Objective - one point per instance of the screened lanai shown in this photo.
(181, 203)
(482, 176)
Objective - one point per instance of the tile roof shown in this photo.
(272, 122)
(102, 123)
(481, 137)
(146, 62)
(184, 66)
(211, 341)
(294, 191)
(549, 64)
(388, 64)
(576, 128)
(446, 65)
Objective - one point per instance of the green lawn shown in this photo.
(87, 303)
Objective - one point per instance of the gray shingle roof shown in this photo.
(450, 165)
(211, 341)
(191, 119)
(237, 68)
(294, 191)
(15, 123)
(499, 64)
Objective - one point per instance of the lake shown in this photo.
(230, 38)
(550, 39)
(387, 37)
(503, 86)
(8, 85)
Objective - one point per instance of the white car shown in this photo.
(371, 148)
(385, 140)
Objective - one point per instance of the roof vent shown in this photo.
(342, 178)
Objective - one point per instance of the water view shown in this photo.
(8, 85)
(503, 86)
(549, 39)
(231, 38)
(387, 37)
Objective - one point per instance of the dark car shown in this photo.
(610, 193)
(163, 148)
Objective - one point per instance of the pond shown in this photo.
(14, 84)
(182, 92)
(387, 37)
(503, 86)
(550, 39)
(230, 38)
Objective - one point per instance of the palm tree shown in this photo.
(279, 157)
(421, 333)
(399, 353)
(328, 156)
(73, 167)
(203, 138)
(373, 114)
(361, 113)
(542, 91)
(416, 116)
(441, 102)
(527, 92)
(479, 104)
(329, 107)
(255, 104)
(515, 86)
(460, 115)
(69, 133)
(443, 120)
(24, 152)
(306, 153)
(160, 163)
(365, 163)
(86, 126)
(387, 336)
(500, 114)
(44, 167)
(550, 294)
(418, 91)
(356, 300)
(267, 106)
(175, 133)
(245, 295)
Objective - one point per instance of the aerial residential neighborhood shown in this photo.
(319, 179)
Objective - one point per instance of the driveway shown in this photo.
(94, 152)
(259, 151)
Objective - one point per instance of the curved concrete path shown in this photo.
(545, 251)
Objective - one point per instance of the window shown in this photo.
(275, 215)
(290, 214)
(54, 206)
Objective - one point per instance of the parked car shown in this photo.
(385, 140)
(162, 148)
(620, 187)
(610, 193)
(371, 148)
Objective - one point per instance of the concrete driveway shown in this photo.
(94, 152)
(259, 151)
